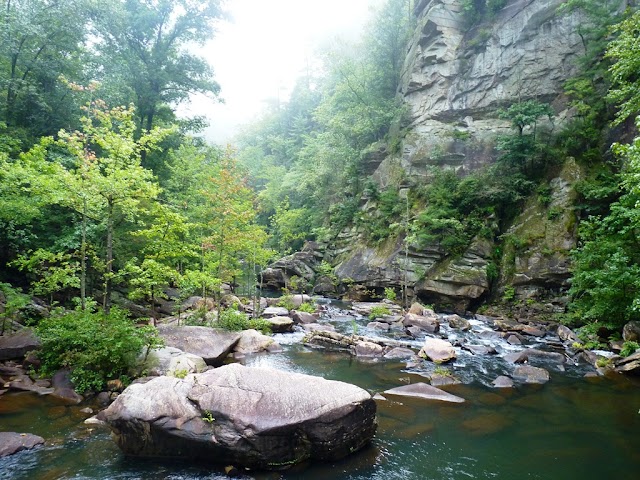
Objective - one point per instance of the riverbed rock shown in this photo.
(11, 442)
(169, 361)
(480, 349)
(385, 327)
(456, 321)
(426, 391)
(429, 324)
(303, 317)
(211, 344)
(630, 364)
(437, 350)
(280, 324)
(318, 327)
(250, 417)
(63, 387)
(368, 349)
(529, 374)
(503, 382)
(566, 334)
(252, 341)
(399, 353)
(271, 312)
(17, 345)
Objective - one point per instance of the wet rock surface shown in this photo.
(11, 442)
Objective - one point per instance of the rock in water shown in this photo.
(422, 390)
(11, 442)
(437, 350)
(253, 417)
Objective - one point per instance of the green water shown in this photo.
(570, 428)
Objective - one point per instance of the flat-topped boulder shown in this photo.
(425, 391)
(17, 345)
(280, 324)
(529, 374)
(211, 344)
(11, 442)
(250, 417)
(170, 361)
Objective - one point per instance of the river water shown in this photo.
(570, 428)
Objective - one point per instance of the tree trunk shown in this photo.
(109, 267)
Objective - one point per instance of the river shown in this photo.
(570, 428)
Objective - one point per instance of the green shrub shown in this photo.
(96, 347)
(378, 311)
(629, 348)
(390, 294)
(307, 307)
(286, 301)
(236, 321)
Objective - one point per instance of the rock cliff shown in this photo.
(459, 71)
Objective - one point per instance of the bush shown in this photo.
(307, 307)
(390, 294)
(629, 348)
(378, 311)
(96, 347)
(236, 321)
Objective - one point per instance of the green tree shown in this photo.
(148, 44)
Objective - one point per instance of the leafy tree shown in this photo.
(625, 51)
(147, 44)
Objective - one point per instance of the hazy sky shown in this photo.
(265, 46)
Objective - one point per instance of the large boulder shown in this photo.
(428, 323)
(253, 341)
(437, 350)
(529, 374)
(251, 417)
(631, 331)
(11, 442)
(211, 344)
(280, 324)
(16, 346)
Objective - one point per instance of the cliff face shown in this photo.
(455, 79)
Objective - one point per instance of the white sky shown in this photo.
(263, 49)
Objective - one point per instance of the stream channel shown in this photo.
(570, 428)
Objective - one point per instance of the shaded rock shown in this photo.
(502, 382)
(211, 344)
(281, 324)
(11, 442)
(368, 349)
(533, 331)
(517, 357)
(480, 349)
(437, 350)
(566, 334)
(94, 421)
(429, 324)
(399, 353)
(423, 390)
(303, 317)
(103, 399)
(630, 364)
(438, 380)
(63, 387)
(251, 417)
(385, 327)
(417, 309)
(631, 331)
(252, 341)
(529, 374)
(456, 321)
(415, 332)
(505, 325)
(514, 340)
(230, 300)
(16, 346)
(271, 312)
(169, 360)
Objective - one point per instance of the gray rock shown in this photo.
(429, 324)
(437, 350)
(303, 317)
(169, 360)
(280, 324)
(529, 374)
(271, 312)
(11, 442)
(480, 349)
(368, 349)
(566, 334)
(444, 380)
(456, 321)
(16, 346)
(630, 364)
(399, 353)
(211, 344)
(423, 390)
(385, 327)
(319, 327)
(250, 417)
(514, 340)
(252, 341)
(533, 331)
(502, 382)
(631, 331)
